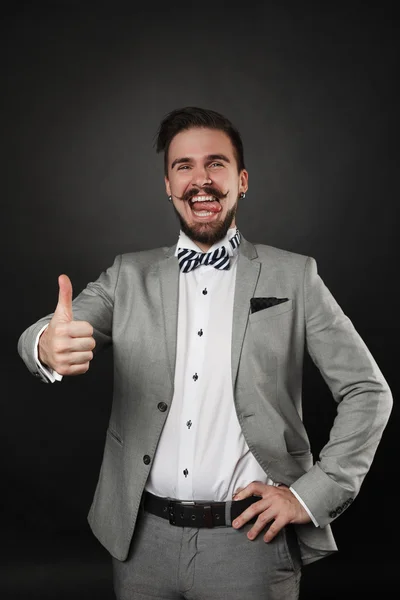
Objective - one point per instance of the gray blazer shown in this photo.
(133, 306)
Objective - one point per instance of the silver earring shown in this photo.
(169, 198)
(242, 195)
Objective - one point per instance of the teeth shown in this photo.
(203, 213)
(202, 199)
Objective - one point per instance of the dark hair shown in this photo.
(189, 117)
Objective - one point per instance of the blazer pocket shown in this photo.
(272, 311)
(114, 436)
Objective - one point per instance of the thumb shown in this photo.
(63, 310)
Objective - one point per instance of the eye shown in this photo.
(182, 167)
(216, 164)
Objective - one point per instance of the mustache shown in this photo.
(208, 190)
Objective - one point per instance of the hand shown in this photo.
(277, 504)
(66, 345)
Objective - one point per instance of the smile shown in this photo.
(203, 199)
(204, 207)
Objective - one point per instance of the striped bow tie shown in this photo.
(219, 258)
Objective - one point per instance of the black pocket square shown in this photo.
(257, 304)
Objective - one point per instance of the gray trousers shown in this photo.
(175, 563)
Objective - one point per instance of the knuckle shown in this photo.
(262, 518)
(253, 512)
(274, 528)
(250, 487)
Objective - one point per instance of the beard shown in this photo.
(207, 233)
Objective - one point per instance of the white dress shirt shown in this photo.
(202, 453)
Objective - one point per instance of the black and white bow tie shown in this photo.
(219, 258)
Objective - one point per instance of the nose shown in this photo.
(200, 176)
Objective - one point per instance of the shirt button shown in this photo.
(146, 459)
(200, 332)
(204, 292)
(195, 377)
(162, 406)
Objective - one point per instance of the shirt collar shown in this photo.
(185, 242)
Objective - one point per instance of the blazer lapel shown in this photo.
(169, 287)
(248, 271)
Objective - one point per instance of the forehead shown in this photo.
(198, 142)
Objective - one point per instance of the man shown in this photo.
(208, 489)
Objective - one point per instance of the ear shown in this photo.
(243, 181)
(167, 186)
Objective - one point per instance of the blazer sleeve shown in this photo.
(94, 304)
(364, 403)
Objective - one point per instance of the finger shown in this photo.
(263, 520)
(250, 512)
(79, 329)
(68, 345)
(80, 358)
(73, 369)
(255, 488)
(274, 529)
(63, 310)
(64, 358)
(236, 492)
(86, 344)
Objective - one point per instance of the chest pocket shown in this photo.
(272, 311)
(269, 338)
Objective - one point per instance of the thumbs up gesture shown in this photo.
(66, 345)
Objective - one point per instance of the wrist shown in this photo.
(42, 354)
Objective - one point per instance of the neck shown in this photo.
(203, 247)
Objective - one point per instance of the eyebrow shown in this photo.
(210, 157)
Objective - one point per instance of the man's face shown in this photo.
(204, 183)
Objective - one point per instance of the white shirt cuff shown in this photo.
(305, 507)
(49, 373)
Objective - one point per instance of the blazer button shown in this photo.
(162, 406)
(146, 459)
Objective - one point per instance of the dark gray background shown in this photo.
(85, 86)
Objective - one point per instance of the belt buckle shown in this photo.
(172, 506)
(207, 511)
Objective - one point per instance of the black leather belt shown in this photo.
(196, 514)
